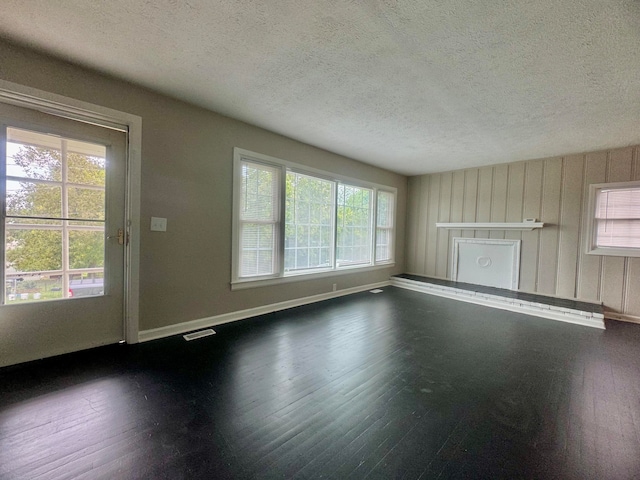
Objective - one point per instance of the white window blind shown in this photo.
(384, 227)
(309, 212)
(617, 218)
(259, 219)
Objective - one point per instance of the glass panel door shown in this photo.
(63, 186)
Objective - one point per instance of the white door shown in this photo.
(63, 235)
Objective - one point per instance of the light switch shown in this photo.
(158, 224)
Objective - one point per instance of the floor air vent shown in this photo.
(377, 290)
(200, 334)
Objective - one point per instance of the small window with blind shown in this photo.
(615, 219)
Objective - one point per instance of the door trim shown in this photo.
(71, 108)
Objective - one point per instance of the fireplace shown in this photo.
(483, 261)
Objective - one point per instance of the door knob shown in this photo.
(119, 236)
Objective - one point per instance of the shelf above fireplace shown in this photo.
(491, 226)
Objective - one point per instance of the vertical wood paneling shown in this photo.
(548, 253)
(531, 209)
(613, 268)
(457, 205)
(421, 249)
(590, 266)
(413, 201)
(432, 234)
(470, 199)
(632, 296)
(555, 191)
(570, 208)
(483, 205)
(444, 214)
(499, 198)
(515, 196)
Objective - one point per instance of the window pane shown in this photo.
(21, 288)
(86, 249)
(354, 225)
(383, 242)
(33, 155)
(384, 228)
(308, 222)
(34, 199)
(621, 203)
(86, 284)
(257, 243)
(86, 203)
(86, 169)
(33, 250)
(259, 192)
(618, 233)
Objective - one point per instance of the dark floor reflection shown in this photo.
(393, 385)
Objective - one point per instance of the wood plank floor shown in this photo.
(392, 385)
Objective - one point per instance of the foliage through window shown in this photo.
(290, 221)
(55, 213)
(354, 225)
(309, 211)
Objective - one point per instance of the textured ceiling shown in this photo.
(414, 86)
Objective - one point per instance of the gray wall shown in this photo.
(553, 190)
(186, 176)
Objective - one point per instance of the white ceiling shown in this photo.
(415, 86)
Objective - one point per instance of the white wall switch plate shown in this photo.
(158, 224)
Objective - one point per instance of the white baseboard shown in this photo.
(588, 319)
(622, 317)
(180, 328)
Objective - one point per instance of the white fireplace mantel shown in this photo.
(491, 226)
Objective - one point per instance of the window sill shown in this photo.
(615, 252)
(303, 276)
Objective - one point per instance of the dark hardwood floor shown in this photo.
(392, 385)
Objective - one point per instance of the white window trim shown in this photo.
(591, 231)
(281, 276)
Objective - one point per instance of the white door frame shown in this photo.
(66, 107)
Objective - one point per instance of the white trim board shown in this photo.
(562, 314)
(621, 317)
(180, 328)
(490, 226)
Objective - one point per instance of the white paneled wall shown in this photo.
(553, 190)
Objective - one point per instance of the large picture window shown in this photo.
(290, 220)
(615, 219)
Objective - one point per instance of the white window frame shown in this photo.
(281, 276)
(592, 225)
